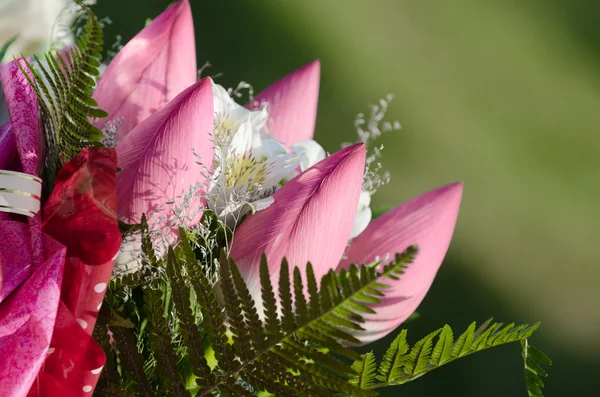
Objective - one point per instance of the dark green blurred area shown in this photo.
(502, 94)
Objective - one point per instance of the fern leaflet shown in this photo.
(63, 83)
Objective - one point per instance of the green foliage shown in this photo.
(532, 357)
(4, 48)
(64, 83)
(195, 337)
(403, 363)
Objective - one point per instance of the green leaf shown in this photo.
(366, 369)
(299, 346)
(64, 86)
(5, 47)
(532, 357)
(392, 366)
(398, 367)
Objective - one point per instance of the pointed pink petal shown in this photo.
(292, 104)
(427, 221)
(153, 68)
(22, 107)
(156, 158)
(310, 220)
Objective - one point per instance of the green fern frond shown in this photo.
(532, 358)
(365, 368)
(401, 364)
(160, 338)
(300, 348)
(204, 339)
(391, 367)
(64, 84)
(190, 332)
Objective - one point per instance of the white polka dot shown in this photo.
(99, 306)
(82, 322)
(87, 388)
(97, 371)
(100, 287)
(50, 350)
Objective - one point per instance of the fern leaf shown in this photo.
(479, 342)
(443, 347)
(303, 352)
(419, 355)
(312, 355)
(255, 326)
(366, 369)
(532, 356)
(160, 341)
(271, 379)
(391, 366)
(299, 299)
(213, 319)
(233, 306)
(285, 296)
(321, 378)
(295, 348)
(268, 298)
(132, 359)
(190, 332)
(398, 367)
(313, 292)
(64, 84)
(463, 343)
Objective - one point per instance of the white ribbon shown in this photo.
(20, 193)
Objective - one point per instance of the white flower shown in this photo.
(363, 214)
(249, 164)
(311, 153)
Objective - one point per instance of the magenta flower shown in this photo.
(151, 70)
(311, 214)
(156, 157)
(293, 104)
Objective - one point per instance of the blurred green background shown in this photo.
(501, 94)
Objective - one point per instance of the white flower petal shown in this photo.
(361, 221)
(311, 152)
(363, 214)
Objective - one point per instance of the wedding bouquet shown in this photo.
(158, 238)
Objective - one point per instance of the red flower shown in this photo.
(81, 211)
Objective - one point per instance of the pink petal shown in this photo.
(427, 221)
(156, 158)
(22, 107)
(15, 256)
(27, 320)
(293, 104)
(153, 68)
(8, 146)
(310, 220)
